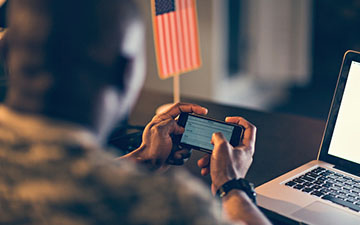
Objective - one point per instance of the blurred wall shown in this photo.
(274, 32)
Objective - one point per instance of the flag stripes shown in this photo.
(176, 36)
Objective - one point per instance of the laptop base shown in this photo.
(279, 198)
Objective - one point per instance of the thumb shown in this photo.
(177, 130)
(219, 142)
(173, 127)
(217, 137)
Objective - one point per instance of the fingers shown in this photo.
(176, 129)
(239, 120)
(204, 161)
(250, 130)
(182, 154)
(168, 127)
(179, 157)
(204, 164)
(205, 171)
(178, 108)
(175, 162)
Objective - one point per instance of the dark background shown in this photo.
(336, 29)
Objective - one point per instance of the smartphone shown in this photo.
(199, 130)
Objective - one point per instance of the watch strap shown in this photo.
(238, 184)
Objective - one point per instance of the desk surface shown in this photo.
(283, 143)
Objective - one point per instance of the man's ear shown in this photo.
(3, 9)
(121, 72)
(3, 47)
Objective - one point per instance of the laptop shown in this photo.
(326, 190)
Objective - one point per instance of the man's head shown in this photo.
(75, 60)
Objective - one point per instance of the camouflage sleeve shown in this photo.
(175, 198)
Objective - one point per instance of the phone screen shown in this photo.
(198, 131)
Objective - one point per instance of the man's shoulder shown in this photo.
(85, 183)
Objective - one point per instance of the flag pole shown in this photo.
(176, 95)
(176, 88)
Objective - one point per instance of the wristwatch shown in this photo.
(239, 184)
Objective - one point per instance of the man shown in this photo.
(75, 68)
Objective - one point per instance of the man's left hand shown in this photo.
(157, 142)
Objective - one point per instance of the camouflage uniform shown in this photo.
(55, 173)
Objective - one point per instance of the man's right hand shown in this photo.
(227, 162)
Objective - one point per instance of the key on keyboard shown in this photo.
(329, 185)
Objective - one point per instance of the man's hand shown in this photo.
(227, 162)
(157, 141)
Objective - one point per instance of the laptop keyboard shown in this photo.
(328, 185)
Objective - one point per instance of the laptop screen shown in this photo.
(340, 144)
(346, 135)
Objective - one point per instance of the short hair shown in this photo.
(67, 31)
(62, 40)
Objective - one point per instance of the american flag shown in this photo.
(176, 36)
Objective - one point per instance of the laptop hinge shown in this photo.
(355, 172)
